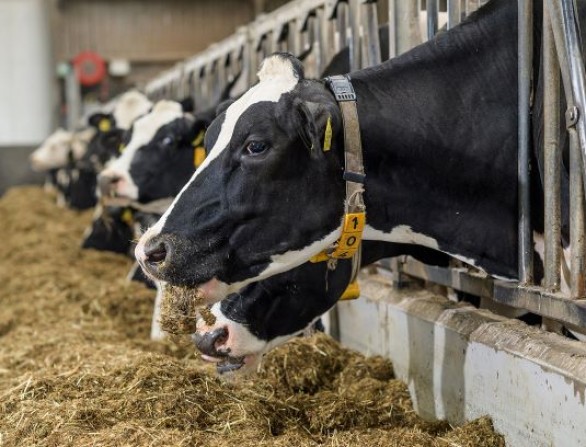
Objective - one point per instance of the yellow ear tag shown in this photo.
(328, 135)
(126, 216)
(198, 140)
(199, 155)
(121, 147)
(352, 292)
(104, 125)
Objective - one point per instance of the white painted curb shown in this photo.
(462, 363)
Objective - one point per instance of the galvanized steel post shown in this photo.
(315, 23)
(525, 50)
(370, 37)
(552, 156)
(454, 13)
(567, 38)
(432, 18)
(404, 32)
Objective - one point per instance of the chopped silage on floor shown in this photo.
(77, 369)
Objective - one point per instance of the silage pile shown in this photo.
(76, 368)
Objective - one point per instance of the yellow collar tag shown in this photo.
(199, 155)
(198, 140)
(104, 125)
(346, 246)
(328, 135)
(352, 291)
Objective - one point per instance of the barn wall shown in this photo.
(26, 92)
(145, 30)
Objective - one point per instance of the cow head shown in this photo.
(162, 150)
(268, 197)
(268, 313)
(112, 129)
(54, 153)
(111, 230)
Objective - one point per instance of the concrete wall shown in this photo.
(26, 86)
(15, 168)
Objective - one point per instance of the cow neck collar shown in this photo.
(348, 246)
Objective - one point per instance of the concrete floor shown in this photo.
(15, 169)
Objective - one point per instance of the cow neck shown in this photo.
(349, 244)
(444, 177)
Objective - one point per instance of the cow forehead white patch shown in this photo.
(145, 129)
(60, 136)
(269, 89)
(129, 107)
(276, 67)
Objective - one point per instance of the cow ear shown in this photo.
(187, 104)
(194, 136)
(223, 106)
(102, 122)
(316, 125)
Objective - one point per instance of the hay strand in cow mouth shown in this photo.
(181, 308)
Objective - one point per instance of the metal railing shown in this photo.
(321, 28)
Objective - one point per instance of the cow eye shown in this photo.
(167, 141)
(256, 147)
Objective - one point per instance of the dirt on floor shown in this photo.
(77, 368)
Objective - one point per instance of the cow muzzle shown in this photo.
(107, 184)
(165, 257)
(212, 345)
(152, 255)
(117, 186)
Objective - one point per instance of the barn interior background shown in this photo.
(135, 39)
(177, 48)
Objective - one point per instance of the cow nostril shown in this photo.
(107, 183)
(157, 254)
(222, 338)
(209, 342)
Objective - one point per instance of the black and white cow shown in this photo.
(163, 149)
(164, 164)
(267, 313)
(57, 155)
(80, 184)
(112, 229)
(60, 148)
(439, 136)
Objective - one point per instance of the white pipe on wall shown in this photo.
(25, 73)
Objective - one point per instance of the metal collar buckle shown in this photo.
(341, 87)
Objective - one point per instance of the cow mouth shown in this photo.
(227, 364)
